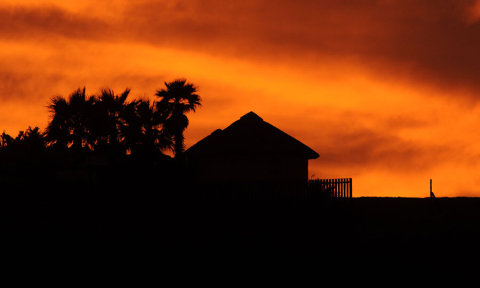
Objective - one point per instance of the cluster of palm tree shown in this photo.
(31, 139)
(109, 122)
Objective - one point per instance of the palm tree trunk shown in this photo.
(179, 144)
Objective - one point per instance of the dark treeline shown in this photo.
(103, 138)
(99, 174)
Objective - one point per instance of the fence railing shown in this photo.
(336, 188)
(280, 192)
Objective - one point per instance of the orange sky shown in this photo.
(386, 91)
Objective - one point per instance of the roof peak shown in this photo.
(248, 136)
(251, 116)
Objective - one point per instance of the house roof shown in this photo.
(250, 135)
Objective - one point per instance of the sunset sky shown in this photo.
(386, 91)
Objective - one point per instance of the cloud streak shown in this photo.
(428, 42)
(40, 23)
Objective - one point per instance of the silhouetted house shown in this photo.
(250, 149)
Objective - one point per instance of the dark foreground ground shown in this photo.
(188, 237)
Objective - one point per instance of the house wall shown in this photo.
(234, 168)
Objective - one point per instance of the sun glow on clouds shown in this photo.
(74, 6)
(262, 88)
(383, 111)
(474, 14)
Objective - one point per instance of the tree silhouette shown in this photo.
(176, 100)
(71, 121)
(5, 140)
(27, 143)
(130, 130)
(108, 117)
(33, 139)
(152, 121)
(110, 124)
(107, 123)
(144, 128)
(58, 130)
(80, 119)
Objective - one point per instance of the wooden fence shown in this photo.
(291, 192)
(335, 188)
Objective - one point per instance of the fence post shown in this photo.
(322, 187)
(351, 188)
(341, 187)
(337, 191)
(346, 187)
(342, 182)
(330, 190)
(336, 188)
(333, 187)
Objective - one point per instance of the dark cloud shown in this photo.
(26, 86)
(364, 148)
(42, 23)
(430, 42)
(345, 142)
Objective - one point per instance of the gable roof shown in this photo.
(250, 135)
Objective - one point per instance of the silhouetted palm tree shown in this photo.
(130, 130)
(152, 126)
(5, 140)
(30, 139)
(34, 139)
(71, 120)
(58, 130)
(81, 108)
(144, 127)
(108, 111)
(179, 98)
